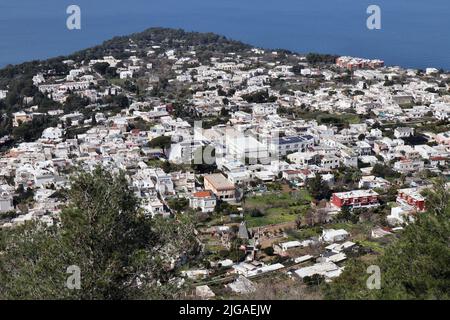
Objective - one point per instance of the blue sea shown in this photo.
(414, 33)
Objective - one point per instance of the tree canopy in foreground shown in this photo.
(120, 252)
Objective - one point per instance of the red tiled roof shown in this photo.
(438, 158)
(203, 194)
(293, 171)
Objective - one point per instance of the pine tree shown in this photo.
(318, 188)
(120, 252)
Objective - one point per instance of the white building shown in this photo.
(164, 184)
(304, 158)
(404, 166)
(6, 201)
(156, 207)
(371, 182)
(403, 132)
(326, 269)
(184, 152)
(241, 146)
(52, 133)
(330, 162)
(126, 74)
(285, 145)
(203, 200)
(332, 235)
(264, 109)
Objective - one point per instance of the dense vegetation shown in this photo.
(121, 253)
(315, 58)
(173, 38)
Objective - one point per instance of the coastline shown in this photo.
(65, 55)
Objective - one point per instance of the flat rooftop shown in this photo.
(219, 182)
(294, 139)
(355, 194)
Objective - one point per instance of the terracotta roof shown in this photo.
(203, 194)
(293, 171)
(438, 158)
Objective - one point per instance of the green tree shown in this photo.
(347, 215)
(101, 67)
(121, 253)
(269, 251)
(224, 112)
(162, 142)
(179, 204)
(384, 171)
(318, 188)
(93, 120)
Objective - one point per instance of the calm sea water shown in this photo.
(415, 33)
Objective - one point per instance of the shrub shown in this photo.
(269, 251)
